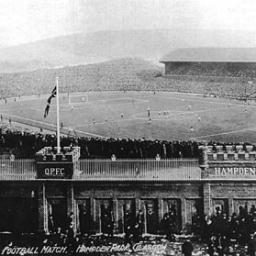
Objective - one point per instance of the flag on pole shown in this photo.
(47, 108)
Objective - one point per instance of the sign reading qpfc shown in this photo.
(58, 172)
(46, 170)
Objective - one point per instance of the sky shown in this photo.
(23, 21)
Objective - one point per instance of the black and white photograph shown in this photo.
(127, 127)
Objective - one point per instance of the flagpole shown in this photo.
(58, 115)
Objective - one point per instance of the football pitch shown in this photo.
(159, 115)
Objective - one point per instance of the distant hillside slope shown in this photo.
(101, 46)
(121, 74)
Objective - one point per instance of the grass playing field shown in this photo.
(173, 116)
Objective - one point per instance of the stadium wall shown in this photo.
(27, 206)
(229, 195)
(227, 181)
(42, 199)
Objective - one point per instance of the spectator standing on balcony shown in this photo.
(164, 151)
(12, 157)
(113, 157)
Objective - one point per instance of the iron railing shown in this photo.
(140, 169)
(20, 169)
(102, 169)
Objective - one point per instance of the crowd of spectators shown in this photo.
(26, 144)
(218, 80)
(223, 87)
(222, 232)
(132, 231)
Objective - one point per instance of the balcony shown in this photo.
(140, 169)
(21, 169)
(107, 170)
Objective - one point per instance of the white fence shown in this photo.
(140, 169)
(133, 169)
(20, 169)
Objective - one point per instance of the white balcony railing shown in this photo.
(20, 169)
(102, 169)
(140, 169)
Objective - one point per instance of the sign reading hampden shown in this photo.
(54, 170)
(233, 172)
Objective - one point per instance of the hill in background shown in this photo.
(101, 46)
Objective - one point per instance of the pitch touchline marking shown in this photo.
(109, 100)
(43, 96)
(224, 133)
(137, 100)
(79, 105)
(44, 123)
(25, 118)
(199, 100)
(124, 98)
(64, 108)
(88, 133)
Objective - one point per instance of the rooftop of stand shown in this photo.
(211, 54)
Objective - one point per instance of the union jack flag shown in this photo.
(47, 108)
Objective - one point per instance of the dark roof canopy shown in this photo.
(209, 54)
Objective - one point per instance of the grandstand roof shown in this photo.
(210, 54)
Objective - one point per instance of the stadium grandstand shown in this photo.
(221, 62)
